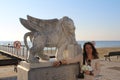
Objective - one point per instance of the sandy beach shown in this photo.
(105, 51)
(110, 70)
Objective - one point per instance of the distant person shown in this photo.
(8, 45)
(93, 42)
(89, 57)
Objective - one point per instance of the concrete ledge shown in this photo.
(35, 65)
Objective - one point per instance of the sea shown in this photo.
(103, 44)
(98, 44)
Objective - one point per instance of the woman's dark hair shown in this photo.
(94, 52)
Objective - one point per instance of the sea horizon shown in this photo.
(98, 43)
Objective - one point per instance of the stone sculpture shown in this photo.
(57, 33)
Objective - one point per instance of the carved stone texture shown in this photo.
(45, 71)
(59, 33)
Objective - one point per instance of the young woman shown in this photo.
(89, 58)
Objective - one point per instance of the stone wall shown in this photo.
(47, 72)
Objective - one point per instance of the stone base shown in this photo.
(45, 71)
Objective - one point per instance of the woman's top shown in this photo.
(95, 64)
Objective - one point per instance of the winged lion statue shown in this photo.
(57, 33)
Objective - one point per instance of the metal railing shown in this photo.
(11, 50)
(22, 51)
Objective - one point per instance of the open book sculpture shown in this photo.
(57, 33)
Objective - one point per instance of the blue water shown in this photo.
(99, 44)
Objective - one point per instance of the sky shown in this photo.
(93, 19)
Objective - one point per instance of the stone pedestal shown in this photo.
(72, 51)
(45, 71)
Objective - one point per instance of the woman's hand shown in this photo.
(57, 63)
(87, 72)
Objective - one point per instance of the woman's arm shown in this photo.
(69, 60)
(97, 68)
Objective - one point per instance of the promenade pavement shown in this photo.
(7, 71)
(110, 70)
